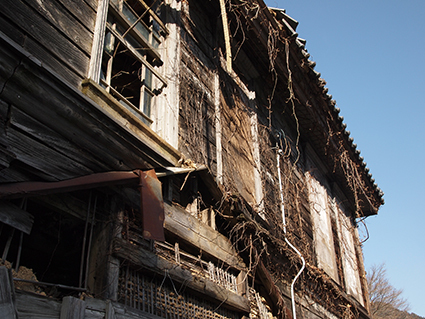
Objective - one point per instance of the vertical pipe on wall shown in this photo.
(282, 208)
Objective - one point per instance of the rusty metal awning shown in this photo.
(151, 204)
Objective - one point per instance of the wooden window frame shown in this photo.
(107, 8)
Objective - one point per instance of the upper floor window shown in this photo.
(126, 61)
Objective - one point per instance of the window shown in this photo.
(126, 61)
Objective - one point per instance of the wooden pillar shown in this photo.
(113, 263)
(219, 154)
(258, 184)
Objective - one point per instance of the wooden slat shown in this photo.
(16, 217)
(36, 306)
(92, 3)
(61, 19)
(71, 75)
(43, 134)
(38, 51)
(8, 63)
(82, 11)
(43, 32)
(53, 166)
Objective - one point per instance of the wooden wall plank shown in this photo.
(36, 306)
(61, 19)
(85, 13)
(53, 166)
(47, 35)
(39, 52)
(92, 3)
(42, 134)
(8, 64)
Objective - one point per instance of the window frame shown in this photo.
(107, 8)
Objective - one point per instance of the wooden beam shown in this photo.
(16, 217)
(187, 227)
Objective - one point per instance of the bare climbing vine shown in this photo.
(260, 239)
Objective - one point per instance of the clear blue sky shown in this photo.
(372, 56)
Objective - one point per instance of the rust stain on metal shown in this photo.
(152, 206)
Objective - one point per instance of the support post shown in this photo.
(7, 294)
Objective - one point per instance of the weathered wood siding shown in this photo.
(58, 33)
(53, 132)
(196, 122)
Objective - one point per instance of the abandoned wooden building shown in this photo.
(173, 159)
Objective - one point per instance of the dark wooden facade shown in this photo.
(239, 130)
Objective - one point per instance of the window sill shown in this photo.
(129, 121)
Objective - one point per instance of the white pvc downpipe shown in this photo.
(282, 208)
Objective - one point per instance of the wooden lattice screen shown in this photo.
(162, 298)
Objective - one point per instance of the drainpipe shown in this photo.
(282, 208)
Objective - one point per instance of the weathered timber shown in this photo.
(16, 217)
(187, 227)
(43, 134)
(39, 29)
(79, 120)
(54, 165)
(152, 262)
(9, 62)
(61, 19)
(7, 294)
(39, 51)
(36, 306)
(91, 3)
(81, 11)
(109, 310)
(124, 312)
(72, 308)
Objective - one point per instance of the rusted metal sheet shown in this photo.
(23, 189)
(152, 206)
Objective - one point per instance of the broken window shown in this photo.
(129, 66)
